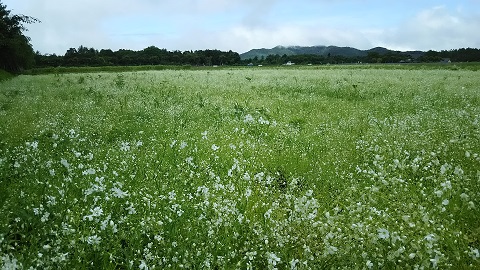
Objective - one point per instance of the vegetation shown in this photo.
(16, 52)
(152, 55)
(4, 75)
(340, 55)
(288, 168)
(411, 66)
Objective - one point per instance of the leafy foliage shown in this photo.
(16, 52)
(83, 56)
(4, 75)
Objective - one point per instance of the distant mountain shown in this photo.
(320, 50)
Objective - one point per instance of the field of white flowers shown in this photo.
(241, 169)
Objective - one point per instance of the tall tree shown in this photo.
(16, 52)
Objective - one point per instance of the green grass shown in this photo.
(302, 168)
(5, 75)
(473, 66)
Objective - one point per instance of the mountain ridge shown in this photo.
(321, 50)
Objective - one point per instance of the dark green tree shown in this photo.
(16, 52)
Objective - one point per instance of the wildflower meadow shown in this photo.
(241, 168)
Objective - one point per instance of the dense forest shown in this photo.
(152, 55)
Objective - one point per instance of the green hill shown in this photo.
(317, 50)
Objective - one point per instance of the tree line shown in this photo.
(83, 56)
(456, 55)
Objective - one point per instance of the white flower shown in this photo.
(125, 146)
(183, 144)
(263, 121)
(259, 176)
(444, 168)
(471, 205)
(447, 185)
(204, 135)
(72, 133)
(143, 265)
(118, 193)
(435, 261)
(369, 264)
(439, 193)
(94, 240)
(293, 264)
(331, 250)
(383, 233)
(430, 237)
(10, 263)
(248, 118)
(97, 211)
(251, 255)
(45, 217)
(131, 209)
(114, 226)
(64, 162)
(272, 258)
(88, 171)
(189, 161)
(34, 145)
(267, 214)
(464, 196)
(445, 202)
(474, 253)
(76, 154)
(171, 195)
(248, 192)
(215, 147)
(458, 171)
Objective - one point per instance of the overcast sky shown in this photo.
(241, 25)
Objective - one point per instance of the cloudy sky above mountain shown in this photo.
(241, 25)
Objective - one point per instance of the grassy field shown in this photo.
(241, 168)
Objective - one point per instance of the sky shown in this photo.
(241, 25)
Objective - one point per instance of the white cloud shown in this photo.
(241, 25)
(294, 35)
(437, 28)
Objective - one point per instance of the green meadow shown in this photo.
(241, 168)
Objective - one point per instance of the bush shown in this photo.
(4, 75)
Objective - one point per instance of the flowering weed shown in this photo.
(291, 169)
